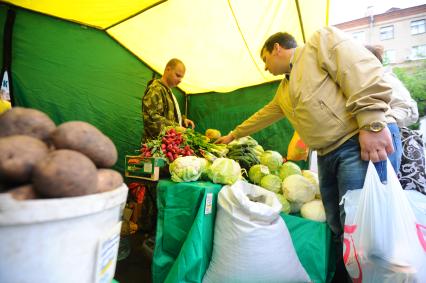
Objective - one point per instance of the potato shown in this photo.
(87, 139)
(65, 173)
(18, 155)
(108, 180)
(25, 121)
(23, 192)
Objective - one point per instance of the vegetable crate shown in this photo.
(147, 168)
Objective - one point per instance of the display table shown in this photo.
(185, 229)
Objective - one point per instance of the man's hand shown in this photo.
(187, 123)
(375, 146)
(225, 139)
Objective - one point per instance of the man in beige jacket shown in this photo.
(334, 96)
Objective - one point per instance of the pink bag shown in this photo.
(384, 235)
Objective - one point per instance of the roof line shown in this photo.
(300, 21)
(244, 40)
(135, 14)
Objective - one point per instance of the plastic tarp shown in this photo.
(185, 235)
(73, 72)
(219, 41)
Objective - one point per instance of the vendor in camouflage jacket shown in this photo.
(159, 105)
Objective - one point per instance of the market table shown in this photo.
(185, 228)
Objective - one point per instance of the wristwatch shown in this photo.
(375, 126)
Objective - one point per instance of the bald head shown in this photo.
(173, 73)
(173, 63)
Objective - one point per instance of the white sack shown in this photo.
(251, 240)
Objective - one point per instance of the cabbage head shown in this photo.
(258, 150)
(272, 159)
(205, 165)
(295, 207)
(313, 178)
(186, 169)
(297, 188)
(271, 183)
(313, 210)
(224, 171)
(257, 172)
(289, 168)
(284, 202)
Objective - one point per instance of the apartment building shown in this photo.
(402, 33)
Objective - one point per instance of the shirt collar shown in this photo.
(287, 76)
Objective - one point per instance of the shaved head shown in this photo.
(173, 62)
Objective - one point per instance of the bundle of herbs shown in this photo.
(173, 142)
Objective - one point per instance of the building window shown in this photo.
(418, 52)
(418, 27)
(359, 36)
(389, 56)
(386, 33)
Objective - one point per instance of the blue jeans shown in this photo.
(343, 169)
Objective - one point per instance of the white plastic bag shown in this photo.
(251, 241)
(384, 240)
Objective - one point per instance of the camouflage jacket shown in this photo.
(158, 109)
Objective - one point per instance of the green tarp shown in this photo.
(184, 239)
(74, 72)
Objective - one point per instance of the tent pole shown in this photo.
(186, 103)
(299, 14)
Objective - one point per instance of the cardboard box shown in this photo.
(147, 168)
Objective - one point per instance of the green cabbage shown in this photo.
(271, 183)
(224, 171)
(295, 207)
(286, 205)
(297, 188)
(289, 168)
(257, 172)
(272, 159)
(258, 150)
(313, 178)
(185, 169)
(247, 140)
(205, 165)
(313, 210)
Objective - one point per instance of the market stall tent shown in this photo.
(91, 60)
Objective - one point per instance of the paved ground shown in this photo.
(136, 268)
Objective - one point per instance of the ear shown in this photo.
(277, 48)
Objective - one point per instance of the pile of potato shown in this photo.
(40, 160)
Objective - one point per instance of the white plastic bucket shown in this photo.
(60, 240)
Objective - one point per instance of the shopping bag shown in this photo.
(383, 236)
(297, 150)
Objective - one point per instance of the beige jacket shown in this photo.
(336, 87)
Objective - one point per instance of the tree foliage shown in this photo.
(414, 80)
